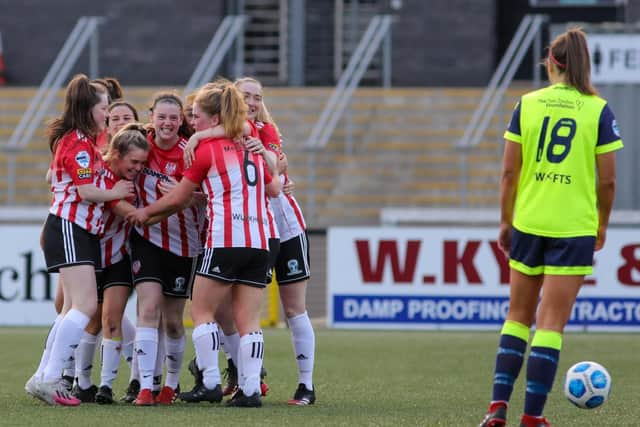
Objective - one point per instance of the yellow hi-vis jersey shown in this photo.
(561, 132)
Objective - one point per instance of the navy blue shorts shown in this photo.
(564, 256)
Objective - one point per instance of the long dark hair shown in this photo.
(114, 89)
(80, 97)
(569, 53)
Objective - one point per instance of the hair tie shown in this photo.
(555, 61)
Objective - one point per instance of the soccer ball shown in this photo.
(587, 385)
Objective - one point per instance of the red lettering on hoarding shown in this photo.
(503, 262)
(452, 261)
(631, 264)
(387, 249)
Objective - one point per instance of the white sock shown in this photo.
(111, 349)
(304, 346)
(46, 352)
(128, 339)
(231, 344)
(159, 366)
(250, 356)
(175, 353)
(66, 340)
(85, 353)
(146, 351)
(207, 344)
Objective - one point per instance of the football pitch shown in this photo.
(362, 378)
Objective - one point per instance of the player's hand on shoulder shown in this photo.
(166, 186)
(137, 217)
(288, 187)
(254, 145)
(124, 189)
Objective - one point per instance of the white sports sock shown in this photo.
(207, 344)
(250, 356)
(46, 352)
(304, 345)
(231, 343)
(159, 366)
(128, 339)
(85, 353)
(111, 349)
(146, 351)
(66, 340)
(175, 353)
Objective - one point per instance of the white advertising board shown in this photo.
(615, 58)
(27, 291)
(457, 278)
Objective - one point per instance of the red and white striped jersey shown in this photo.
(288, 214)
(113, 241)
(286, 210)
(178, 233)
(234, 181)
(76, 162)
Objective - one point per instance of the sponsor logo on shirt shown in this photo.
(614, 128)
(83, 159)
(84, 173)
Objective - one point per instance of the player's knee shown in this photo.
(112, 322)
(149, 313)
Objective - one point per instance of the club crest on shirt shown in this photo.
(170, 168)
(293, 267)
(83, 159)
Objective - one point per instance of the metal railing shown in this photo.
(379, 30)
(85, 30)
(231, 29)
(528, 31)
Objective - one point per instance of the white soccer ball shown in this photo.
(587, 385)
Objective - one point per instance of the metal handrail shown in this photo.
(528, 28)
(349, 80)
(230, 28)
(508, 78)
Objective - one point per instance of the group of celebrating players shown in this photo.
(195, 204)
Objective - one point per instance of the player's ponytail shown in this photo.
(80, 97)
(223, 99)
(233, 111)
(569, 53)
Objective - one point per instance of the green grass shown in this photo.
(372, 378)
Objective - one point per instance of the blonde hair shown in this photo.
(131, 135)
(225, 100)
(263, 114)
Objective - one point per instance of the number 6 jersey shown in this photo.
(561, 132)
(234, 181)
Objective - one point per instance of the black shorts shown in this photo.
(534, 255)
(274, 250)
(293, 260)
(150, 263)
(247, 266)
(67, 244)
(118, 274)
